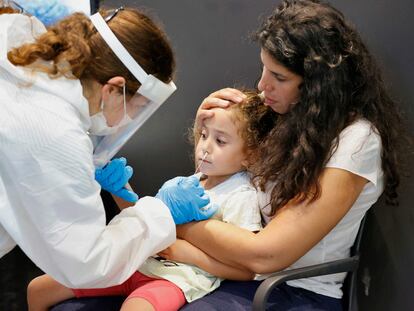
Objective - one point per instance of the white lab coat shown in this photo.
(50, 203)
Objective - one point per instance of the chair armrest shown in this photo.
(332, 267)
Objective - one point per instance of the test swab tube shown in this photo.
(201, 162)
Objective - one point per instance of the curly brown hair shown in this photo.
(73, 48)
(254, 121)
(341, 83)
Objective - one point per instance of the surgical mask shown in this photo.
(99, 124)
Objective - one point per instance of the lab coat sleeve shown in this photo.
(119, 248)
(59, 218)
(6, 241)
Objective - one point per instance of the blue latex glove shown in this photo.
(186, 199)
(114, 176)
(47, 11)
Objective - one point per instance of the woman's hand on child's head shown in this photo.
(222, 99)
(219, 99)
(181, 251)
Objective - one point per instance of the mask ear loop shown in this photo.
(124, 93)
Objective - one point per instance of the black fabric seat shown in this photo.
(349, 265)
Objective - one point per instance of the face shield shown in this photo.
(128, 113)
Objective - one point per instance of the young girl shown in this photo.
(224, 148)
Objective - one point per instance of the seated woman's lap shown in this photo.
(234, 296)
(89, 304)
(239, 296)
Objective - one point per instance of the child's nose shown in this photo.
(206, 146)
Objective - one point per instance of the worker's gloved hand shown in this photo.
(47, 11)
(113, 178)
(186, 199)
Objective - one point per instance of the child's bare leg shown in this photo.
(134, 304)
(44, 292)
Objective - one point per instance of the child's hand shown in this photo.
(181, 251)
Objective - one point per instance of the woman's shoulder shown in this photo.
(357, 138)
(358, 150)
(360, 128)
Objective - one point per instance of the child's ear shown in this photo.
(245, 163)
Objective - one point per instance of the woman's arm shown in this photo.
(294, 230)
(183, 251)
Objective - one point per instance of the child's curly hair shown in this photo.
(253, 119)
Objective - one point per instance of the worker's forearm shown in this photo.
(121, 202)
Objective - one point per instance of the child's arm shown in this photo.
(43, 292)
(185, 252)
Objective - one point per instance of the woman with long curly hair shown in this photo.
(53, 84)
(332, 153)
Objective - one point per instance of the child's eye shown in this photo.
(203, 135)
(220, 141)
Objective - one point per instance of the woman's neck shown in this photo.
(92, 93)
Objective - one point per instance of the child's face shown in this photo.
(220, 138)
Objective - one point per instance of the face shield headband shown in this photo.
(152, 91)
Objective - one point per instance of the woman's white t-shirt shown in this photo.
(359, 152)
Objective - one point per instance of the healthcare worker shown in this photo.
(113, 176)
(83, 75)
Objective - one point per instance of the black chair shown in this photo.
(349, 265)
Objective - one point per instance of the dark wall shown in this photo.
(211, 41)
(210, 38)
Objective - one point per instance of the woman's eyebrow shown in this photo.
(278, 74)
